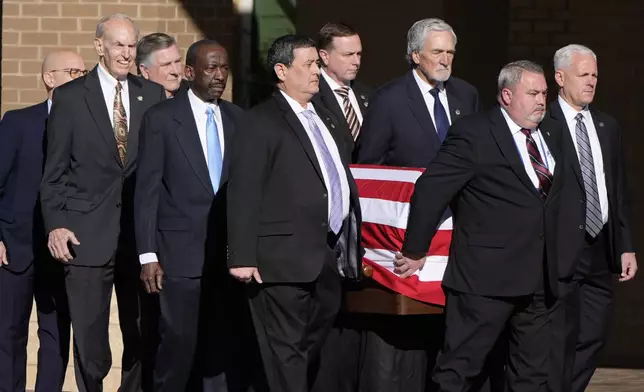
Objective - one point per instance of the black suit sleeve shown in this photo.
(375, 134)
(148, 182)
(58, 157)
(10, 140)
(445, 176)
(249, 159)
(624, 201)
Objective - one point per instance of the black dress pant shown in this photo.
(43, 281)
(292, 322)
(89, 293)
(474, 325)
(582, 317)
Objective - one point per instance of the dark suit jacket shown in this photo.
(178, 215)
(398, 129)
(503, 229)
(573, 216)
(277, 199)
(328, 99)
(21, 163)
(85, 188)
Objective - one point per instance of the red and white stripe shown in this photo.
(385, 193)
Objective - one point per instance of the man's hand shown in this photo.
(152, 277)
(3, 255)
(629, 267)
(57, 244)
(405, 266)
(246, 274)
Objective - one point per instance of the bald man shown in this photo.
(26, 269)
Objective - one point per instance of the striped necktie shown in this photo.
(349, 112)
(594, 221)
(120, 123)
(543, 174)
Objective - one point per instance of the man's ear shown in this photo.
(48, 79)
(280, 70)
(189, 73)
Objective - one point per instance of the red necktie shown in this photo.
(543, 174)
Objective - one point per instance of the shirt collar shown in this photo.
(424, 86)
(198, 105)
(514, 127)
(48, 105)
(297, 108)
(332, 83)
(569, 112)
(107, 79)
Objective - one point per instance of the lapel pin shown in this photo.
(366, 104)
(139, 98)
(457, 112)
(363, 97)
(332, 125)
(601, 124)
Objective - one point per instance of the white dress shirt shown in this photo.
(520, 140)
(570, 113)
(429, 98)
(331, 146)
(108, 85)
(199, 108)
(352, 96)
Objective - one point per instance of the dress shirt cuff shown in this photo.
(147, 258)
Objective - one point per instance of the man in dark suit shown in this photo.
(408, 118)
(404, 127)
(501, 172)
(340, 53)
(296, 214)
(86, 196)
(180, 205)
(26, 268)
(158, 59)
(598, 241)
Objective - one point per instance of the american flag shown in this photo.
(385, 193)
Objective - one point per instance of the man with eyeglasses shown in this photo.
(86, 198)
(26, 269)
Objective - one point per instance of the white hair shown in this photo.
(100, 28)
(418, 33)
(563, 56)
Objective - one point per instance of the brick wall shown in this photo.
(32, 28)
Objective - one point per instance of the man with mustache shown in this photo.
(86, 198)
(158, 59)
(598, 242)
(340, 52)
(501, 172)
(293, 231)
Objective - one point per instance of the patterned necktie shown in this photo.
(335, 216)
(120, 123)
(440, 115)
(594, 221)
(214, 149)
(349, 112)
(543, 174)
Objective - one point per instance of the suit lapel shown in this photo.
(509, 149)
(362, 97)
(135, 89)
(567, 144)
(420, 110)
(228, 134)
(188, 137)
(550, 133)
(329, 100)
(604, 142)
(454, 103)
(296, 126)
(96, 103)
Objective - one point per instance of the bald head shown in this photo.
(60, 67)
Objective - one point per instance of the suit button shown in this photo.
(581, 227)
(118, 205)
(542, 236)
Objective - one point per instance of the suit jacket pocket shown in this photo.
(275, 228)
(487, 240)
(79, 205)
(174, 224)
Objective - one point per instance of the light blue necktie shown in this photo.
(214, 149)
(335, 216)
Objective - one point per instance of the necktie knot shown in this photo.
(210, 112)
(119, 87)
(526, 132)
(343, 91)
(308, 114)
(434, 92)
(579, 117)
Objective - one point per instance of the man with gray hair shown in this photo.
(158, 59)
(597, 231)
(86, 198)
(500, 173)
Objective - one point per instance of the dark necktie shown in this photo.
(594, 221)
(120, 123)
(440, 115)
(349, 112)
(543, 174)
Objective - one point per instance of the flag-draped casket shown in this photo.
(385, 194)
